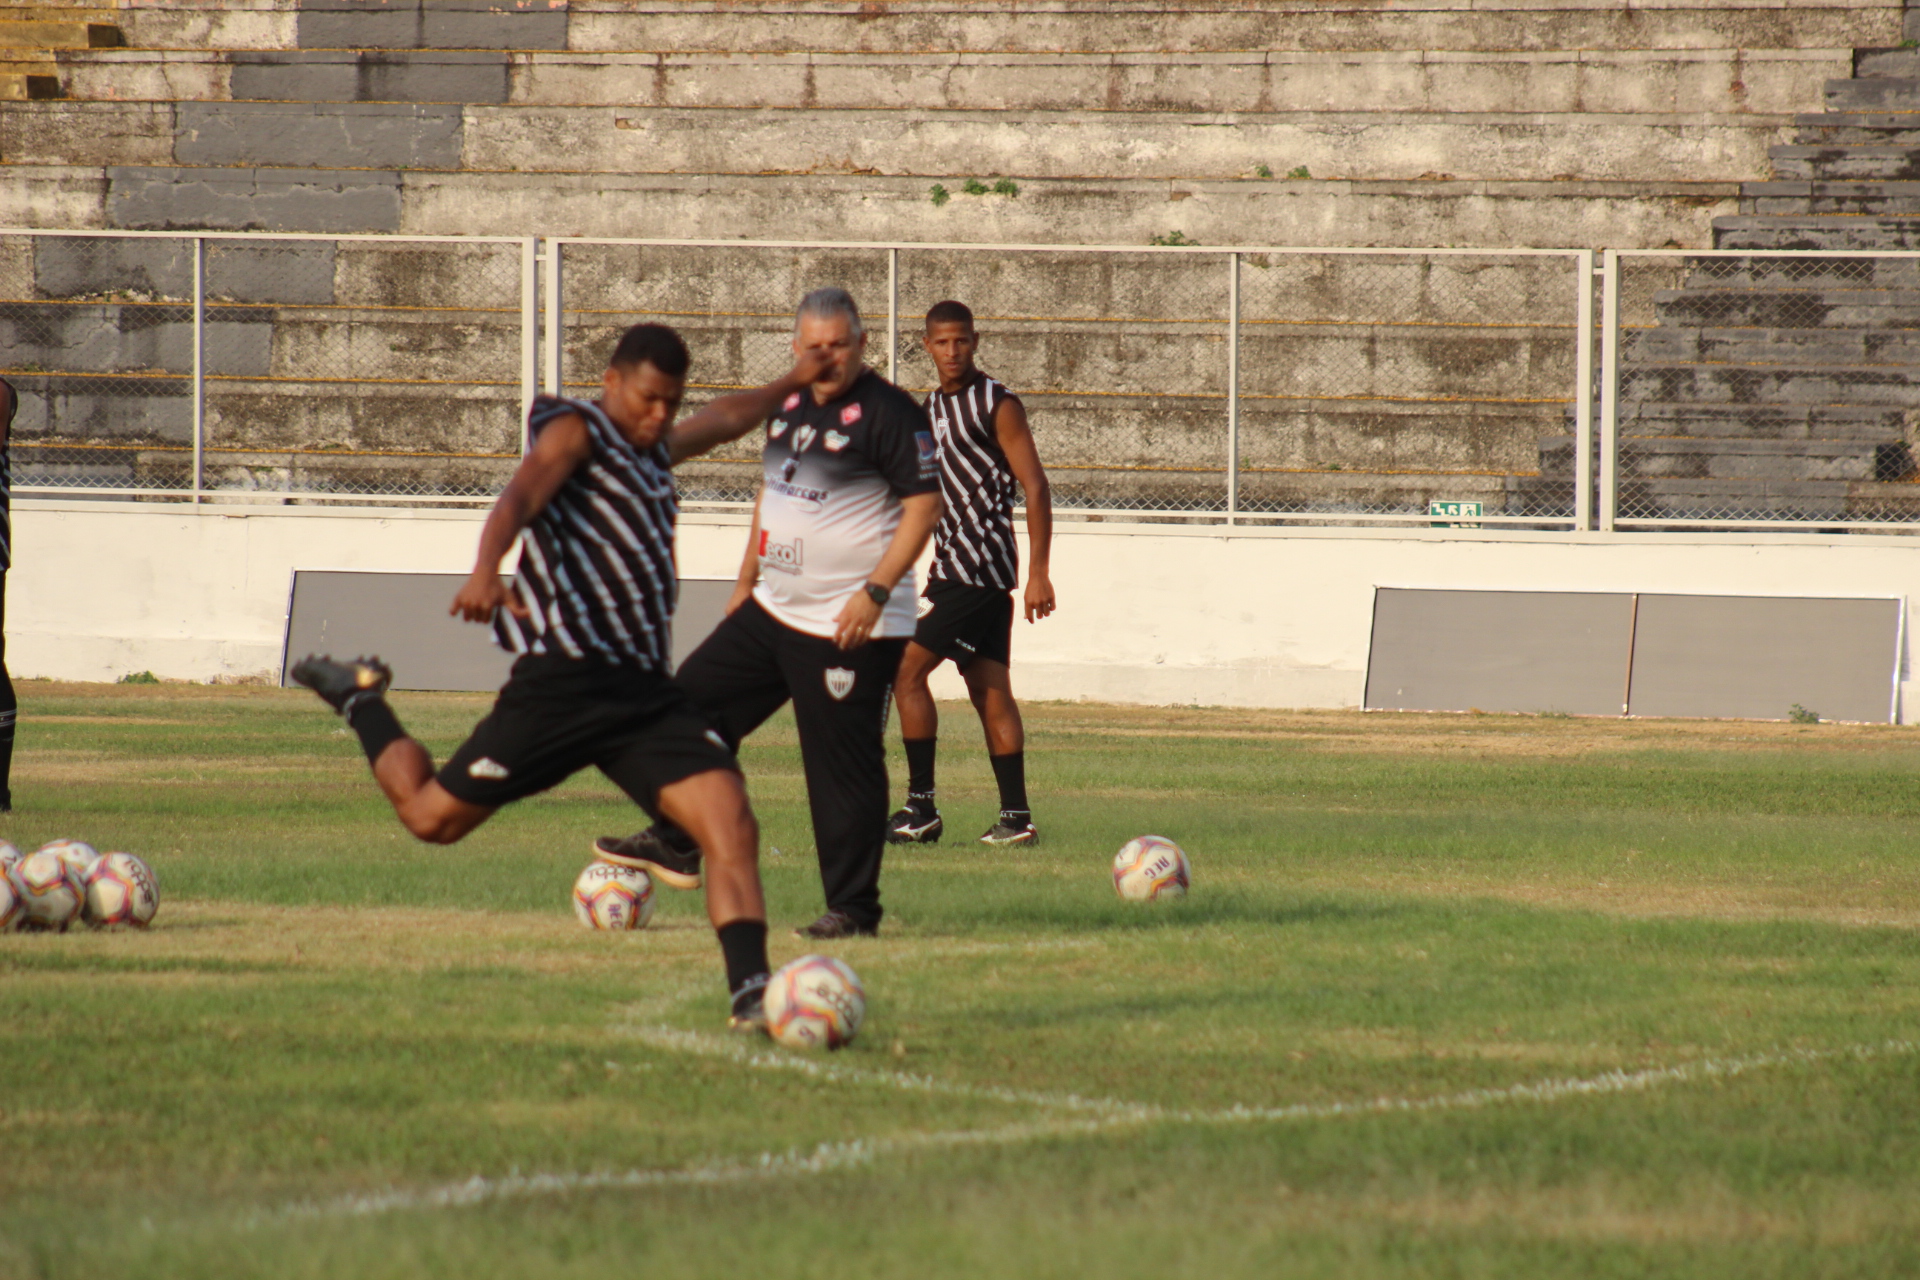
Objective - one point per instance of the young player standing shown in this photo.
(823, 607)
(985, 448)
(593, 507)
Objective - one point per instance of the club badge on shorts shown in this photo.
(839, 683)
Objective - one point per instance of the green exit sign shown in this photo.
(1456, 515)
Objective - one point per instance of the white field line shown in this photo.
(824, 1069)
(837, 1156)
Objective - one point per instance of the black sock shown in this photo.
(1010, 771)
(920, 771)
(744, 944)
(376, 724)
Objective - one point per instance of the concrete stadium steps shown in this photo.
(1626, 82)
(1652, 458)
(31, 38)
(1853, 423)
(913, 26)
(1816, 347)
(1817, 231)
(1857, 129)
(1890, 163)
(731, 206)
(1372, 146)
(1734, 309)
(1845, 199)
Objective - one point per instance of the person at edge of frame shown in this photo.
(985, 449)
(593, 509)
(9, 706)
(823, 607)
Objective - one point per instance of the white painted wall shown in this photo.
(1149, 613)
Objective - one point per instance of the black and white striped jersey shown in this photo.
(596, 568)
(974, 543)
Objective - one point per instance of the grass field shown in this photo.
(1453, 996)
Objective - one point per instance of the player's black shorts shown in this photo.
(964, 622)
(556, 715)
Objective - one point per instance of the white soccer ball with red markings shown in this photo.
(9, 855)
(815, 1002)
(610, 897)
(13, 909)
(120, 890)
(77, 854)
(1151, 867)
(49, 890)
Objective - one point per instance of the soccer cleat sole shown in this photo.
(340, 684)
(927, 834)
(665, 875)
(1029, 836)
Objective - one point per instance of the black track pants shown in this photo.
(8, 707)
(748, 668)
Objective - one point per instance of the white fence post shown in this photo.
(529, 333)
(1233, 387)
(893, 315)
(199, 367)
(1609, 390)
(553, 316)
(1583, 399)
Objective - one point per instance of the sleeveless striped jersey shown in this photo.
(596, 569)
(974, 542)
(6, 480)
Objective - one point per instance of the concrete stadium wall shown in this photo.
(1152, 614)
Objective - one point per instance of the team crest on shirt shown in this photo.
(804, 438)
(850, 415)
(835, 442)
(793, 402)
(929, 453)
(778, 429)
(486, 767)
(839, 682)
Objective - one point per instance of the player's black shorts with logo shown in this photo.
(556, 716)
(964, 622)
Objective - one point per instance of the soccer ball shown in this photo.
(815, 1002)
(1150, 867)
(610, 897)
(77, 854)
(49, 890)
(13, 911)
(9, 855)
(120, 889)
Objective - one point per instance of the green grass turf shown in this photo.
(1385, 907)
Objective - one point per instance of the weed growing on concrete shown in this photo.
(1262, 171)
(1298, 171)
(940, 195)
(1006, 187)
(1172, 239)
(974, 187)
(138, 677)
(1800, 715)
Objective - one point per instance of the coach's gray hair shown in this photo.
(827, 304)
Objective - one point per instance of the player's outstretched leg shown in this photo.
(918, 821)
(357, 690)
(990, 686)
(663, 851)
(712, 808)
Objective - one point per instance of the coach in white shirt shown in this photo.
(825, 604)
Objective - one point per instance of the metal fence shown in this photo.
(1329, 386)
(1760, 390)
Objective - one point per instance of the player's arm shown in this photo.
(1023, 459)
(727, 418)
(561, 446)
(919, 514)
(749, 564)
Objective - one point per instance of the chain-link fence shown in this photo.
(1322, 385)
(1761, 390)
(279, 368)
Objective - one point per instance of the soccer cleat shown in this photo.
(835, 924)
(649, 852)
(914, 826)
(1004, 832)
(749, 1016)
(342, 685)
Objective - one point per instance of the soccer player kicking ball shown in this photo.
(985, 448)
(591, 612)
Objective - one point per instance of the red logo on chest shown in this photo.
(793, 402)
(850, 415)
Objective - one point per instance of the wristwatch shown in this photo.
(878, 594)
